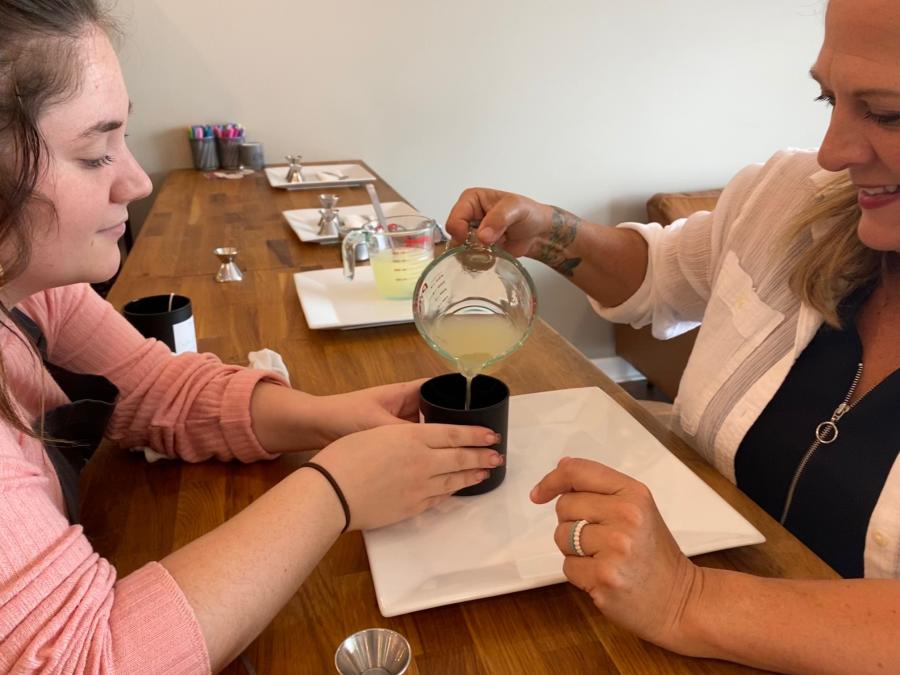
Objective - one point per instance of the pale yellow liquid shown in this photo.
(474, 339)
(397, 270)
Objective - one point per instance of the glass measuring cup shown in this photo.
(398, 252)
(475, 305)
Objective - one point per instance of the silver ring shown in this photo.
(575, 537)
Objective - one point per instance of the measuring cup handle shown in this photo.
(348, 251)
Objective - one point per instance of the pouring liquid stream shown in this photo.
(473, 341)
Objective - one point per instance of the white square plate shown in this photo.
(305, 222)
(500, 542)
(314, 176)
(331, 301)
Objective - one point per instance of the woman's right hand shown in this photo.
(515, 222)
(391, 473)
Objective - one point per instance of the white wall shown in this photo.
(593, 105)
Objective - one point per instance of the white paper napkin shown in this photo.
(331, 176)
(354, 221)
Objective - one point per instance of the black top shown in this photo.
(72, 431)
(841, 483)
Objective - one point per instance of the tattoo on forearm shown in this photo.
(562, 235)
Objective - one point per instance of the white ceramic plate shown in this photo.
(315, 176)
(476, 547)
(305, 222)
(331, 301)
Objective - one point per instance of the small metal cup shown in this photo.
(373, 651)
(228, 270)
(294, 172)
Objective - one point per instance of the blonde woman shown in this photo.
(791, 391)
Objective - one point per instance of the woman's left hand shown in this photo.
(632, 568)
(369, 408)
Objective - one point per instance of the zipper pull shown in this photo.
(827, 432)
(839, 412)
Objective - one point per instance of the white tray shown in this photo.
(331, 301)
(305, 222)
(356, 175)
(500, 542)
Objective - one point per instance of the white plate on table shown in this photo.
(315, 176)
(500, 542)
(331, 301)
(305, 222)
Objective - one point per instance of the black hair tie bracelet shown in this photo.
(337, 490)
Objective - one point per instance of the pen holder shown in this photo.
(252, 156)
(204, 153)
(230, 153)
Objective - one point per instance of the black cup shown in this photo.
(443, 400)
(168, 318)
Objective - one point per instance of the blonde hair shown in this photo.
(836, 263)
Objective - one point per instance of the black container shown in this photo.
(168, 318)
(442, 400)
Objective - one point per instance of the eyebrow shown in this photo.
(104, 126)
(862, 93)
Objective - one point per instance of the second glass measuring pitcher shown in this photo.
(398, 253)
(474, 305)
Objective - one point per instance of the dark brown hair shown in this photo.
(40, 65)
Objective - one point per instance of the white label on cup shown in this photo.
(185, 336)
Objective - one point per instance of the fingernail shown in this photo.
(486, 234)
(533, 493)
(482, 475)
(496, 460)
(492, 438)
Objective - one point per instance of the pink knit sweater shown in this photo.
(62, 609)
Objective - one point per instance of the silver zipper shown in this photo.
(826, 432)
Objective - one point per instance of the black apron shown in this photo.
(72, 431)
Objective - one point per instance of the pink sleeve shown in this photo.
(191, 406)
(61, 609)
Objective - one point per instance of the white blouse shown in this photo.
(728, 271)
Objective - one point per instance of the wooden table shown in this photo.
(135, 512)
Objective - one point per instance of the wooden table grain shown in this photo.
(135, 512)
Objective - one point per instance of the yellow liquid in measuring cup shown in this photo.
(474, 339)
(396, 270)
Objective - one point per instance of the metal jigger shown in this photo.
(228, 270)
(293, 173)
(329, 223)
(374, 651)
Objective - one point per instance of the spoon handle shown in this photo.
(376, 204)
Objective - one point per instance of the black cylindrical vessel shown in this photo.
(442, 399)
(164, 317)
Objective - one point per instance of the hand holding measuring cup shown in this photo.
(398, 253)
(475, 305)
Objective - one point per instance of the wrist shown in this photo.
(555, 244)
(289, 420)
(330, 512)
(321, 415)
(698, 625)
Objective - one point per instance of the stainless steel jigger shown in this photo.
(374, 651)
(228, 270)
(294, 167)
(329, 223)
